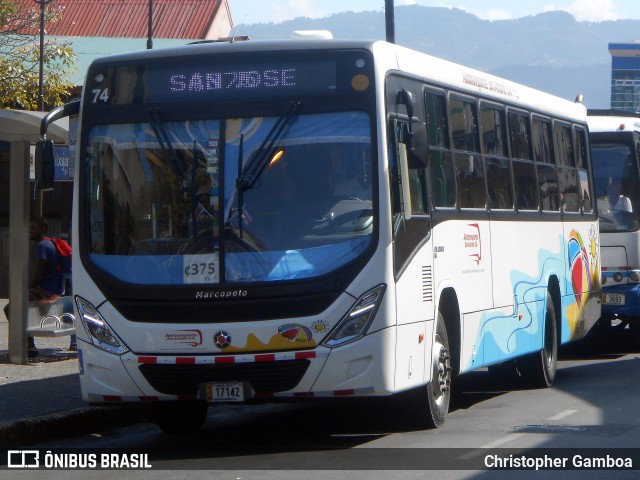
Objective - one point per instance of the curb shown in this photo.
(79, 421)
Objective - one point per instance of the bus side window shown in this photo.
(469, 168)
(494, 146)
(583, 170)
(437, 128)
(499, 183)
(526, 191)
(464, 125)
(519, 135)
(417, 179)
(492, 129)
(567, 173)
(443, 193)
(470, 176)
(541, 138)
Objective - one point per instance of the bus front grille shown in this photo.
(269, 377)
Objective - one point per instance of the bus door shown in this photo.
(413, 257)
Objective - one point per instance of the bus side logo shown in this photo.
(473, 242)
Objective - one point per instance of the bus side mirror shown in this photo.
(417, 145)
(415, 138)
(44, 165)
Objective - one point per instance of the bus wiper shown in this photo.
(240, 194)
(163, 139)
(250, 175)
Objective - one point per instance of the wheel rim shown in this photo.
(442, 370)
(548, 345)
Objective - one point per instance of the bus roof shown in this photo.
(476, 82)
(389, 57)
(613, 121)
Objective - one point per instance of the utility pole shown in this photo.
(390, 21)
(43, 4)
(150, 29)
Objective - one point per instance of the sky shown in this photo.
(266, 11)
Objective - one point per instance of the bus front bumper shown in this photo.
(357, 369)
(621, 301)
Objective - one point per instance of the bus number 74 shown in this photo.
(100, 95)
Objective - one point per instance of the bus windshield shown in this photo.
(169, 202)
(616, 185)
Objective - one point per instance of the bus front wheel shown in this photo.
(431, 402)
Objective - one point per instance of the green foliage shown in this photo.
(20, 60)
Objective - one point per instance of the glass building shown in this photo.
(625, 76)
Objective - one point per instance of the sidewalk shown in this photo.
(41, 399)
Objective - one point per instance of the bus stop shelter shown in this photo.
(21, 129)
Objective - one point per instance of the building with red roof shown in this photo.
(177, 19)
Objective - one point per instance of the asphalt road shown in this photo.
(592, 409)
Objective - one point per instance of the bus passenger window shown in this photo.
(442, 179)
(526, 190)
(499, 184)
(519, 135)
(541, 140)
(563, 145)
(470, 175)
(587, 201)
(548, 185)
(464, 125)
(437, 130)
(569, 190)
(417, 180)
(493, 131)
(583, 172)
(581, 149)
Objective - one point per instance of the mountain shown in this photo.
(550, 51)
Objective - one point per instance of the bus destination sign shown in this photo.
(185, 83)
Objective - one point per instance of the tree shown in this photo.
(20, 59)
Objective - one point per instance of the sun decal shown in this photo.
(319, 326)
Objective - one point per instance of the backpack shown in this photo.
(64, 255)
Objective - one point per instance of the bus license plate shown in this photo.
(613, 298)
(224, 392)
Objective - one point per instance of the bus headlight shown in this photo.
(357, 320)
(98, 330)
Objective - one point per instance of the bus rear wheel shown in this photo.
(539, 369)
(179, 417)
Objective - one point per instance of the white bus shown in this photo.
(615, 151)
(322, 218)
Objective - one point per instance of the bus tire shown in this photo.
(437, 393)
(180, 417)
(539, 369)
